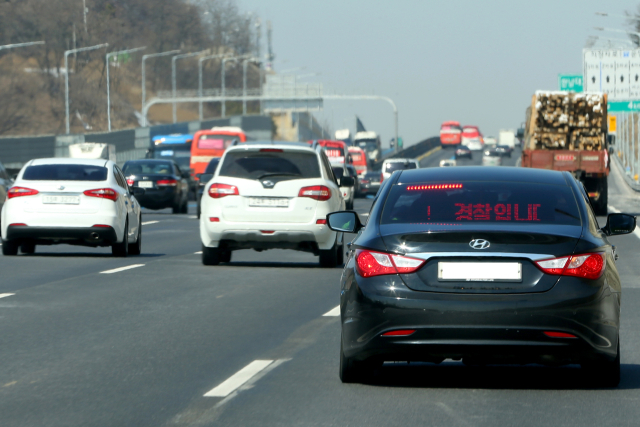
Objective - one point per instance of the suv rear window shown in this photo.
(285, 165)
(65, 173)
(397, 166)
(481, 201)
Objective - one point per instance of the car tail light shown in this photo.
(130, 182)
(218, 191)
(399, 333)
(214, 219)
(166, 183)
(104, 193)
(316, 192)
(370, 263)
(101, 226)
(588, 266)
(381, 177)
(271, 150)
(20, 191)
(554, 334)
(18, 224)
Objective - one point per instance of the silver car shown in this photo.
(491, 158)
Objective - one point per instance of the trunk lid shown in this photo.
(62, 197)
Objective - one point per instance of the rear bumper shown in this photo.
(88, 236)
(505, 328)
(158, 199)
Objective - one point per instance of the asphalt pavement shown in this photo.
(161, 340)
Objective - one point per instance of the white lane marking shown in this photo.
(614, 210)
(192, 217)
(198, 253)
(238, 379)
(116, 270)
(5, 295)
(636, 231)
(149, 222)
(365, 214)
(333, 312)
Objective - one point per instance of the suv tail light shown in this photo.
(370, 263)
(381, 177)
(588, 266)
(20, 191)
(103, 193)
(218, 191)
(130, 182)
(316, 192)
(166, 183)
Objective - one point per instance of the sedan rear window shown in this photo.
(65, 173)
(397, 166)
(475, 201)
(146, 167)
(284, 165)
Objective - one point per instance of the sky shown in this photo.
(477, 62)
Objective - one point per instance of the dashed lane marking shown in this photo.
(238, 379)
(333, 312)
(5, 295)
(636, 231)
(198, 253)
(149, 222)
(116, 270)
(193, 217)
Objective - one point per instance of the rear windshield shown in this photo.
(216, 142)
(373, 176)
(491, 154)
(356, 157)
(258, 165)
(488, 202)
(142, 167)
(398, 166)
(334, 153)
(65, 173)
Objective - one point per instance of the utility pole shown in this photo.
(66, 76)
(223, 76)
(144, 85)
(200, 61)
(109, 55)
(244, 84)
(173, 77)
(84, 11)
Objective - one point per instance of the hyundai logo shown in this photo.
(60, 187)
(268, 184)
(479, 244)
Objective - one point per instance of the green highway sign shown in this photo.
(570, 82)
(623, 106)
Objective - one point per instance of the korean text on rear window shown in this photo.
(65, 173)
(280, 164)
(489, 202)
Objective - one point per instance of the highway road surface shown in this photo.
(161, 340)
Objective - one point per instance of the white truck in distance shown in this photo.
(93, 150)
(507, 137)
(370, 143)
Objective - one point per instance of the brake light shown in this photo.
(130, 182)
(103, 193)
(399, 333)
(20, 191)
(271, 150)
(321, 221)
(588, 266)
(214, 219)
(381, 177)
(435, 187)
(18, 224)
(218, 191)
(553, 334)
(166, 183)
(316, 192)
(370, 263)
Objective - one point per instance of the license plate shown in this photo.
(61, 200)
(145, 184)
(480, 271)
(268, 202)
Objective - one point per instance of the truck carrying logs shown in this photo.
(568, 132)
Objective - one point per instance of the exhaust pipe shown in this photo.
(94, 236)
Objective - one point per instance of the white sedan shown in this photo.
(74, 201)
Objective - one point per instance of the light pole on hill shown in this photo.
(109, 55)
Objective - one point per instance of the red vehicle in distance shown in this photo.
(450, 134)
(336, 151)
(359, 160)
(211, 143)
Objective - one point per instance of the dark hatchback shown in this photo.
(483, 265)
(463, 151)
(370, 183)
(165, 185)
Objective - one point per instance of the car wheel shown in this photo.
(121, 249)
(340, 259)
(329, 257)
(210, 256)
(185, 207)
(605, 373)
(28, 248)
(352, 370)
(136, 248)
(225, 256)
(198, 211)
(9, 248)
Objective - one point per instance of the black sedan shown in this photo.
(209, 171)
(504, 150)
(463, 151)
(370, 183)
(483, 265)
(166, 186)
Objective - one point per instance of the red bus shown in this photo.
(359, 160)
(336, 151)
(450, 134)
(211, 143)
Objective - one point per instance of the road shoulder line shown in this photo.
(116, 270)
(428, 153)
(238, 379)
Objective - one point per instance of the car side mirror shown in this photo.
(205, 177)
(344, 221)
(619, 223)
(137, 191)
(347, 181)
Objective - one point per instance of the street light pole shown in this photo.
(109, 55)
(615, 30)
(173, 77)
(200, 61)
(244, 83)
(144, 85)
(224, 91)
(12, 46)
(66, 74)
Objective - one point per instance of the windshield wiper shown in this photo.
(278, 174)
(566, 213)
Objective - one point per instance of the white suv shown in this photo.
(267, 195)
(389, 166)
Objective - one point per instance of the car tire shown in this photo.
(198, 211)
(210, 256)
(351, 370)
(340, 259)
(185, 207)
(121, 249)
(136, 248)
(605, 373)
(9, 248)
(329, 257)
(28, 248)
(225, 256)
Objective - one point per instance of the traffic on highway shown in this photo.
(234, 258)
